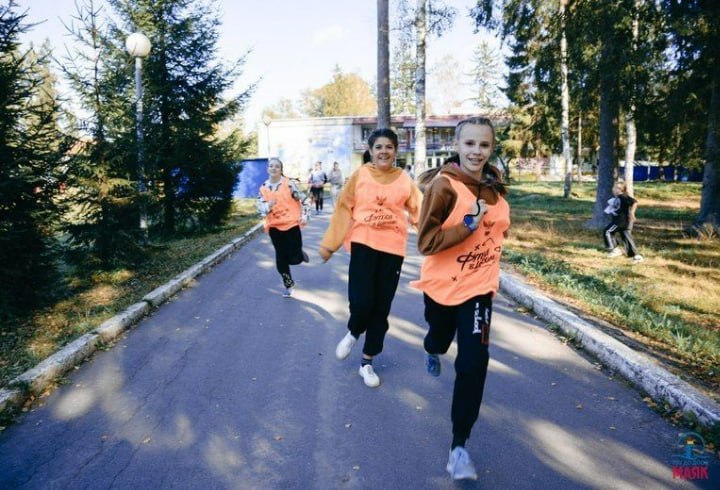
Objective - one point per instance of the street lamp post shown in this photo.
(138, 46)
(266, 121)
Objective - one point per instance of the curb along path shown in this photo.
(637, 368)
(35, 380)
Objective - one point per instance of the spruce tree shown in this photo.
(485, 77)
(192, 171)
(104, 226)
(31, 170)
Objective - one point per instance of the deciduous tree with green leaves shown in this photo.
(346, 95)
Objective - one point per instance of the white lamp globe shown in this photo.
(138, 45)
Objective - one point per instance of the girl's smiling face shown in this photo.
(274, 168)
(475, 144)
(383, 153)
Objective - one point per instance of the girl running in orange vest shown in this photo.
(371, 220)
(280, 202)
(463, 222)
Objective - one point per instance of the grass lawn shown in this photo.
(670, 303)
(101, 295)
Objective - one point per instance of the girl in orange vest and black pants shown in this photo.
(280, 202)
(371, 219)
(463, 223)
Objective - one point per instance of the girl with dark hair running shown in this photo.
(371, 220)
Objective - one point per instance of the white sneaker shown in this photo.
(345, 346)
(460, 466)
(368, 375)
(287, 293)
(614, 252)
(637, 259)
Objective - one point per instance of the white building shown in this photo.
(299, 143)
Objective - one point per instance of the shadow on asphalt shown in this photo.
(229, 385)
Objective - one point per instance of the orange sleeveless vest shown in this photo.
(378, 217)
(286, 212)
(471, 267)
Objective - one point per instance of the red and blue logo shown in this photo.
(690, 462)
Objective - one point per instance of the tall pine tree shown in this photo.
(103, 227)
(31, 171)
(185, 85)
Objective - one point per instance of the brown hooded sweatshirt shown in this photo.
(438, 201)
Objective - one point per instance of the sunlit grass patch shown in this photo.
(672, 299)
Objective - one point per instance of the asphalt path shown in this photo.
(229, 385)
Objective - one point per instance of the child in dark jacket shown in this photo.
(622, 210)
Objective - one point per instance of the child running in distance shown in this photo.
(621, 208)
(463, 223)
(280, 202)
(370, 219)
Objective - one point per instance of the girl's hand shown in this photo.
(478, 209)
(325, 253)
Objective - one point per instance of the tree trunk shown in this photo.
(710, 198)
(608, 129)
(579, 149)
(420, 136)
(631, 132)
(565, 96)
(383, 64)
(630, 147)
